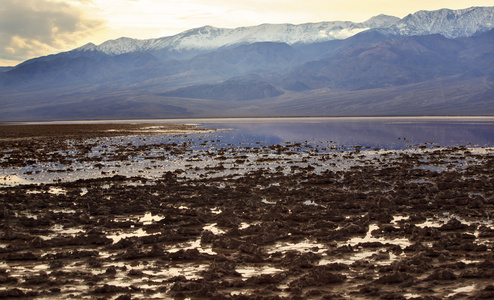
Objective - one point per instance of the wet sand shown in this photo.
(266, 222)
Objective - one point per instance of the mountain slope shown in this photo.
(232, 89)
(398, 61)
(438, 62)
(5, 69)
(63, 70)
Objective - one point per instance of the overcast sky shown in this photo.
(32, 28)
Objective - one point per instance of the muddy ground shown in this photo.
(292, 221)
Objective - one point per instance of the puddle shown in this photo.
(403, 242)
(438, 222)
(52, 190)
(378, 257)
(312, 203)
(148, 219)
(267, 202)
(245, 225)
(190, 270)
(465, 289)
(33, 192)
(57, 191)
(470, 261)
(136, 184)
(276, 184)
(116, 237)
(60, 230)
(13, 180)
(205, 249)
(397, 219)
(431, 223)
(64, 211)
(249, 271)
(214, 229)
(305, 246)
(216, 210)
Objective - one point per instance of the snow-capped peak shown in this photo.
(449, 23)
(381, 21)
(87, 47)
(209, 37)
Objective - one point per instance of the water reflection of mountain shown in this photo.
(394, 133)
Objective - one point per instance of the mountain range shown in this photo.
(427, 63)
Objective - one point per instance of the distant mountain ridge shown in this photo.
(432, 62)
(446, 22)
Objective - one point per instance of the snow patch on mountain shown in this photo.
(88, 47)
(208, 37)
(381, 21)
(449, 23)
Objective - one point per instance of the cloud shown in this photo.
(31, 28)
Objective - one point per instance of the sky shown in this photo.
(33, 28)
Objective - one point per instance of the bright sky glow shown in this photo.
(32, 28)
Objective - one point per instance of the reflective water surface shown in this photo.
(391, 132)
(253, 144)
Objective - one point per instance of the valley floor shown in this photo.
(87, 214)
